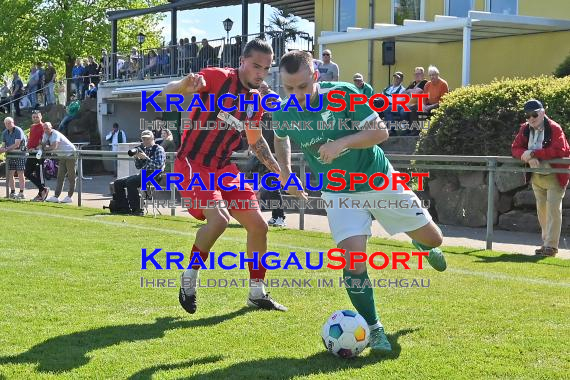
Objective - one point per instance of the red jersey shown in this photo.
(213, 148)
(35, 138)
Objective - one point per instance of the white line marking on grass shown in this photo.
(499, 276)
(488, 275)
(148, 228)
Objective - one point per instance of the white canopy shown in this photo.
(477, 25)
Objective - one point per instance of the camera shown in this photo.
(131, 152)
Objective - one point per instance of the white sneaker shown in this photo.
(52, 199)
(20, 196)
(271, 222)
(280, 222)
(66, 200)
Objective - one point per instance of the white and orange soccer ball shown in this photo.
(345, 334)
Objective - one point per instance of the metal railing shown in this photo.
(9, 101)
(489, 164)
(179, 60)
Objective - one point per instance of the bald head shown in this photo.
(9, 123)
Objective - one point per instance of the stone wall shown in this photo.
(460, 198)
(83, 128)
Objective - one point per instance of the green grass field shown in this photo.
(72, 307)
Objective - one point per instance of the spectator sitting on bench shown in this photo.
(150, 157)
(435, 88)
(395, 88)
(416, 87)
(363, 87)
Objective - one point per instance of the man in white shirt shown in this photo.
(55, 140)
(328, 70)
(395, 88)
(115, 137)
(4, 98)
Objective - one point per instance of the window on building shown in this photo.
(346, 14)
(459, 8)
(506, 7)
(406, 9)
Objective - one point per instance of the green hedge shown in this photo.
(482, 120)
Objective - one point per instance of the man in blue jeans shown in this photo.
(77, 73)
(72, 111)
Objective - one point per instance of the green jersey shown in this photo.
(311, 129)
(366, 90)
(73, 108)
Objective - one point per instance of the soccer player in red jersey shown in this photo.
(206, 151)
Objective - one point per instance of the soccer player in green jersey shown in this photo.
(353, 150)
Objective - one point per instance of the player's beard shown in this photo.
(312, 97)
(253, 86)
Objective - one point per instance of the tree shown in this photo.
(563, 69)
(282, 28)
(62, 30)
(406, 9)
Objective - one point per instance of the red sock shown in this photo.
(256, 274)
(203, 255)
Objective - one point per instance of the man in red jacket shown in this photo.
(34, 166)
(543, 139)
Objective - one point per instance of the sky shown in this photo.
(207, 23)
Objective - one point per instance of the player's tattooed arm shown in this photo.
(263, 153)
(283, 153)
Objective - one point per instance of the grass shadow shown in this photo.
(507, 258)
(100, 213)
(516, 258)
(67, 352)
(146, 374)
(281, 368)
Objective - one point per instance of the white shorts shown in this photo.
(396, 211)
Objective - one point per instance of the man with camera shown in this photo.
(149, 156)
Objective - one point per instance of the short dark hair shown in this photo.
(116, 125)
(257, 45)
(294, 60)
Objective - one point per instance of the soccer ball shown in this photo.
(345, 334)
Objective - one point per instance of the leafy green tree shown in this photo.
(62, 30)
(563, 69)
(282, 28)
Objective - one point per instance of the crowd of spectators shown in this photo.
(188, 55)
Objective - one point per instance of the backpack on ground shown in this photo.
(50, 168)
(118, 206)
